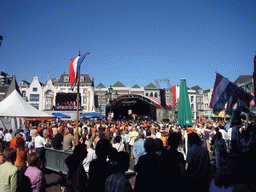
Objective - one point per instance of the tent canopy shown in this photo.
(60, 115)
(92, 115)
(15, 106)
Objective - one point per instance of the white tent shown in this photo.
(14, 106)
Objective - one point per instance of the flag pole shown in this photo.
(77, 102)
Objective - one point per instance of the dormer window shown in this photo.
(66, 78)
(82, 79)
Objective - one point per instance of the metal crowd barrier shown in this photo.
(54, 159)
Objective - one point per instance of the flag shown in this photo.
(224, 91)
(235, 118)
(74, 69)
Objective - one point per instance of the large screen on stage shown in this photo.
(67, 101)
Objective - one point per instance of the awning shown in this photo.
(151, 100)
(39, 118)
(157, 101)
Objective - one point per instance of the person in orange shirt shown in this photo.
(21, 154)
(112, 129)
(164, 138)
(190, 130)
(14, 140)
(39, 128)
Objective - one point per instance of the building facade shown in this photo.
(55, 94)
(103, 95)
(5, 81)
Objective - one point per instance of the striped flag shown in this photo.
(74, 69)
(225, 91)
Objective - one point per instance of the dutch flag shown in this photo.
(74, 69)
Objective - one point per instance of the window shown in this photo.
(146, 94)
(49, 92)
(192, 99)
(202, 106)
(48, 103)
(103, 109)
(34, 97)
(34, 89)
(66, 78)
(84, 99)
(23, 93)
(82, 79)
(151, 94)
(155, 94)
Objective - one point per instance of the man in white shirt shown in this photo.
(39, 148)
(90, 155)
(158, 134)
(232, 137)
(8, 138)
(1, 134)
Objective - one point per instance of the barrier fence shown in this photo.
(54, 159)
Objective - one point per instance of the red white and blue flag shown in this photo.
(224, 91)
(74, 68)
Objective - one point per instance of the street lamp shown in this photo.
(1, 39)
(109, 97)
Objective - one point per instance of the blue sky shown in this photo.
(132, 41)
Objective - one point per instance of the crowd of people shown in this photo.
(101, 158)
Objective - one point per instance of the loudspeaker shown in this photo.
(96, 102)
(162, 97)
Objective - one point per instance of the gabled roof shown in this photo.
(118, 84)
(86, 78)
(25, 82)
(196, 88)
(13, 86)
(135, 86)
(242, 79)
(150, 86)
(207, 90)
(100, 86)
(54, 81)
